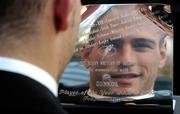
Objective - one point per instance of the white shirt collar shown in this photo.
(117, 99)
(29, 70)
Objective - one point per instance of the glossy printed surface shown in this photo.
(122, 51)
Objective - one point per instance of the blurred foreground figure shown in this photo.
(37, 39)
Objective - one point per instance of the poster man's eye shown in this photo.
(108, 50)
(143, 44)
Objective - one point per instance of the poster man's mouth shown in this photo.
(127, 75)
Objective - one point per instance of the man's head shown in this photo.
(126, 53)
(42, 32)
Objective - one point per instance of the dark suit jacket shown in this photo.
(24, 95)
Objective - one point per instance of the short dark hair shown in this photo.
(19, 16)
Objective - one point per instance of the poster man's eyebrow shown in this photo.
(115, 41)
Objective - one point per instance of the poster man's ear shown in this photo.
(163, 55)
(61, 11)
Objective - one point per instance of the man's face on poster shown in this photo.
(126, 53)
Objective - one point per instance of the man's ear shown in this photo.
(163, 55)
(62, 10)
